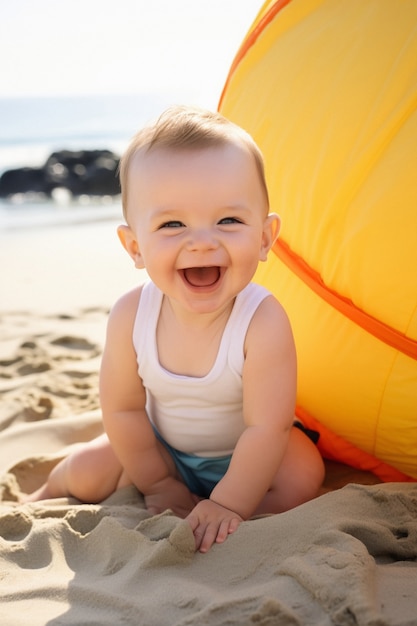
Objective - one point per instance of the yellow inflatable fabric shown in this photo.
(328, 89)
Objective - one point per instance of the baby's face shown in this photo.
(199, 219)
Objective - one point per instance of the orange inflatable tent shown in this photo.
(328, 89)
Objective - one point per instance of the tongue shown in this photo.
(201, 276)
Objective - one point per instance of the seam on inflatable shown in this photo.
(375, 327)
(251, 39)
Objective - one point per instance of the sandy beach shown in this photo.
(348, 557)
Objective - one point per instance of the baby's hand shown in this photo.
(212, 523)
(170, 494)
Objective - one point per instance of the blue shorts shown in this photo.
(200, 474)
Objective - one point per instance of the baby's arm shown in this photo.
(269, 393)
(125, 420)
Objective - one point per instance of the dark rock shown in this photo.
(23, 180)
(81, 172)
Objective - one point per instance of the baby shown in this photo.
(198, 375)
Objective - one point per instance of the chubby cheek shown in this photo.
(245, 259)
(160, 256)
(251, 248)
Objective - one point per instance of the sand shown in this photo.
(348, 557)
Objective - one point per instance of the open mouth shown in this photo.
(202, 276)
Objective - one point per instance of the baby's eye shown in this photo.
(230, 220)
(172, 224)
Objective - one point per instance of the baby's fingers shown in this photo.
(211, 523)
(205, 537)
(227, 527)
(216, 533)
(205, 533)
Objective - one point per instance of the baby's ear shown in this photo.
(130, 244)
(271, 228)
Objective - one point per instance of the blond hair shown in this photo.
(180, 128)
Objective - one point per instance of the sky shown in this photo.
(73, 47)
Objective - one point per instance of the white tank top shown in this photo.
(201, 416)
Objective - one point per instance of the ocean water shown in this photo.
(32, 128)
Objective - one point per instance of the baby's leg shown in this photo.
(299, 477)
(90, 474)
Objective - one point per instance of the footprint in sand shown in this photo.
(37, 356)
(75, 345)
(51, 376)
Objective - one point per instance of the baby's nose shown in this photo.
(202, 239)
